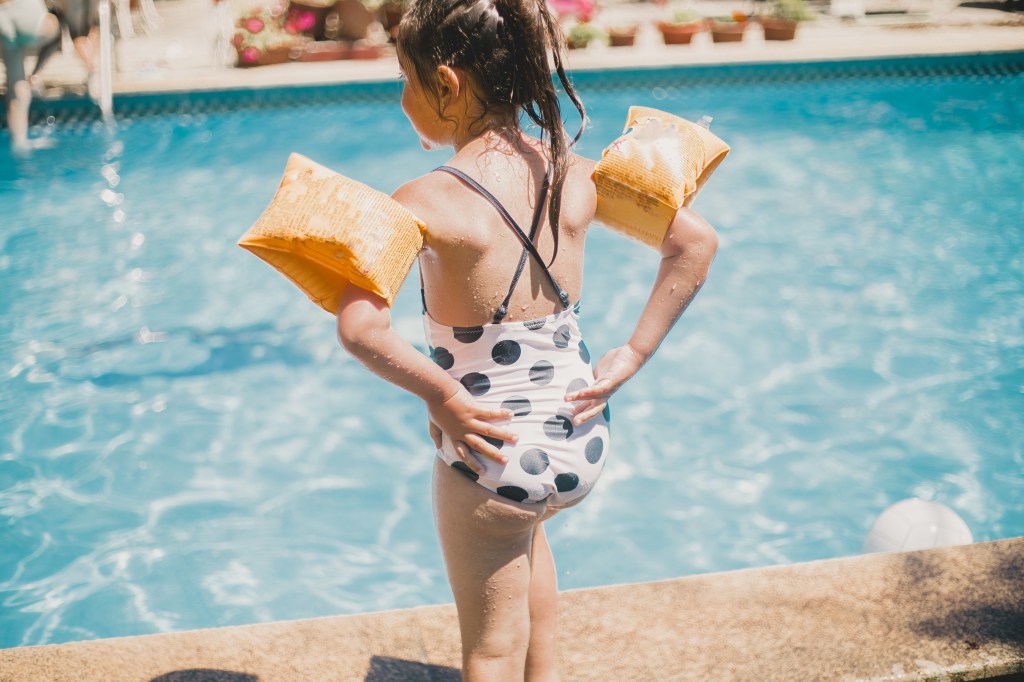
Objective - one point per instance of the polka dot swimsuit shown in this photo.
(528, 368)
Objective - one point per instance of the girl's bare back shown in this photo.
(470, 254)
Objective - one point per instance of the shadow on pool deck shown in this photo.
(954, 613)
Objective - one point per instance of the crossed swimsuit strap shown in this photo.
(528, 245)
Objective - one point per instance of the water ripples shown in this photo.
(183, 444)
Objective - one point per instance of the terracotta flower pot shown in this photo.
(727, 31)
(622, 37)
(778, 29)
(679, 34)
(253, 56)
(307, 19)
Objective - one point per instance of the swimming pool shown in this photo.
(183, 444)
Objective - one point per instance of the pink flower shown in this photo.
(306, 21)
(581, 9)
(254, 25)
(250, 55)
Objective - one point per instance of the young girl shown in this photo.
(519, 418)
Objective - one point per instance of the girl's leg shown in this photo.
(542, 657)
(487, 541)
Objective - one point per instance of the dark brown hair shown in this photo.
(503, 46)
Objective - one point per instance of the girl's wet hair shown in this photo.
(503, 46)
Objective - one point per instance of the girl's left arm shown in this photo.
(364, 329)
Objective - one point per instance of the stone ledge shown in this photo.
(948, 614)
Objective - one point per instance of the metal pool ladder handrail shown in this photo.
(106, 65)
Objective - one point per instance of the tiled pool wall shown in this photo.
(134, 105)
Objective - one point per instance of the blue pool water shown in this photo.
(183, 444)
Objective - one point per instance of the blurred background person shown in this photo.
(81, 17)
(24, 24)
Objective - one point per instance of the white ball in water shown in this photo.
(916, 524)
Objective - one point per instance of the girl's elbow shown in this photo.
(709, 239)
(361, 319)
(355, 334)
(349, 337)
(702, 233)
(691, 235)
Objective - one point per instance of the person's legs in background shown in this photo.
(24, 26)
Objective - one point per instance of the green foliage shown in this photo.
(585, 33)
(791, 10)
(685, 15)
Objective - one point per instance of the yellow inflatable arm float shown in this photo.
(323, 230)
(658, 165)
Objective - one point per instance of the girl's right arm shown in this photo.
(686, 255)
(364, 329)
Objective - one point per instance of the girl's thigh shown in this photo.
(486, 540)
(464, 508)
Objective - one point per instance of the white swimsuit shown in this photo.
(528, 368)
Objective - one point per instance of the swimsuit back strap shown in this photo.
(538, 213)
(526, 240)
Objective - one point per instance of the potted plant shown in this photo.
(390, 13)
(585, 34)
(781, 21)
(728, 29)
(308, 17)
(622, 35)
(352, 20)
(260, 39)
(683, 25)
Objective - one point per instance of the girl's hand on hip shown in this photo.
(470, 427)
(615, 368)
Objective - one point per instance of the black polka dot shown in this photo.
(576, 385)
(476, 383)
(534, 461)
(496, 442)
(584, 353)
(506, 352)
(594, 450)
(468, 334)
(542, 373)
(534, 325)
(519, 406)
(558, 427)
(566, 482)
(513, 492)
(464, 468)
(607, 412)
(443, 358)
(561, 336)
(575, 308)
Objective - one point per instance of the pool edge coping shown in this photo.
(865, 617)
(130, 104)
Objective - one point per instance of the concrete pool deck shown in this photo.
(949, 614)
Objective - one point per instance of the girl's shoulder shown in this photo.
(429, 196)
(579, 190)
(423, 195)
